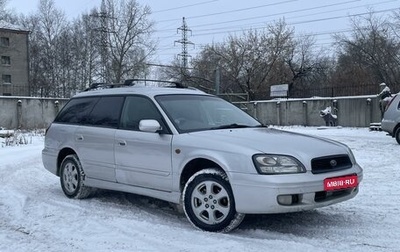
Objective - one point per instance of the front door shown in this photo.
(142, 158)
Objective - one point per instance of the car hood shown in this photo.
(267, 140)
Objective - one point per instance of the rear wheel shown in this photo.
(208, 202)
(72, 178)
(397, 135)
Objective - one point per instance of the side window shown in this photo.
(137, 108)
(76, 110)
(106, 112)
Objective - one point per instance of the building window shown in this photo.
(4, 41)
(5, 60)
(6, 79)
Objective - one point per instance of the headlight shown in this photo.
(277, 164)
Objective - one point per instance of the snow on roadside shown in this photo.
(36, 216)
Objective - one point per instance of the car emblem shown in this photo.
(333, 162)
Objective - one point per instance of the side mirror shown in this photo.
(149, 125)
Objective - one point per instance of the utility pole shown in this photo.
(103, 30)
(184, 55)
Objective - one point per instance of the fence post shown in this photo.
(305, 112)
(335, 111)
(369, 111)
(278, 112)
(255, 110)
(57, 107)
(19, 114)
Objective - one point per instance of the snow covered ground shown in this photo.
(36, 216)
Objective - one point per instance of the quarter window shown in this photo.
(76, 111)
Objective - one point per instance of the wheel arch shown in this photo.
(61, 155)
(395, 129)
(194, 166)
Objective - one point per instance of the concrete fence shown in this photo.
(28, 112)
(360, 111)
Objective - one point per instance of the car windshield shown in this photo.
(191, 113)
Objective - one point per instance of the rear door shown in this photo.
(142, 158)
(95, 138)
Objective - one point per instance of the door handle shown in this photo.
(122, 143)
(79, 138)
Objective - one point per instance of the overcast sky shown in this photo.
(213, 20)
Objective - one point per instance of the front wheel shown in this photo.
(208, 202)
(397, 135)
(72, 178)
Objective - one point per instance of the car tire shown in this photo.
(208, 202)
(397, 135)
(72, 178)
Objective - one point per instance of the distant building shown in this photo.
(14, 65)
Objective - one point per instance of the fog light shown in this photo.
(289, 200)
(286, 200)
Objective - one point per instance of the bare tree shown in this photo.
(249, 63)
(46, 28)
(300, 61)
(6, 14)
(84, 52)
(370, 56)
(3, 10)
(129, 41)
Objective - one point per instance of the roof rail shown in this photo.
(175, 83)
(131, 82)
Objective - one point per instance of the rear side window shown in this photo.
(106, 112)
(76, 111)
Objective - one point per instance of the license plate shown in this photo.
(338, 183)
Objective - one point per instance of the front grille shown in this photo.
(330, 164)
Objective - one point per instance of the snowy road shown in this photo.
(36, 216)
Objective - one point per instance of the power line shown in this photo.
(298, 22)
(280, 14)
(272, 15)
(233, 11)
(208, 30)
(185, 6)
(306, 15)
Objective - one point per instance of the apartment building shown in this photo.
(14, 61)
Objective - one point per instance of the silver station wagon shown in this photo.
(391, 118)
(191, 148)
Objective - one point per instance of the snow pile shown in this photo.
(36, 216)
(18, 137)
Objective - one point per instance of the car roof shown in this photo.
(142, 90)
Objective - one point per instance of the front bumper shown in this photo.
(258, 194)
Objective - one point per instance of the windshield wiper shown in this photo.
(232, 126)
